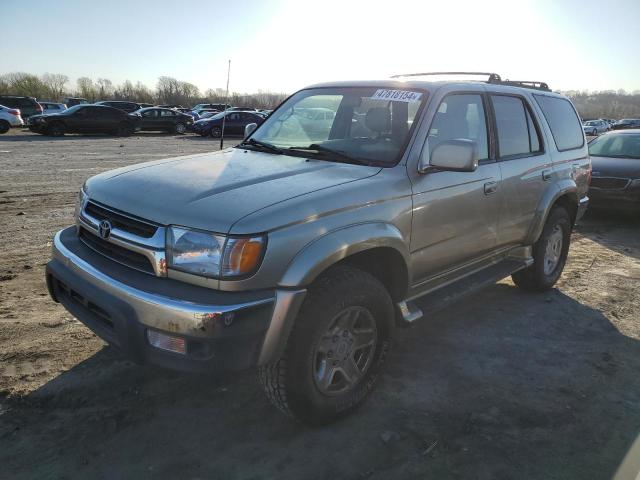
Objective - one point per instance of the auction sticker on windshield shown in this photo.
(397, 95)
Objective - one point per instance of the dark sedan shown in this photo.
(86, 119)
(615, 176)
(233, 124)
(120, 104)
(626, 123)
(164, 119)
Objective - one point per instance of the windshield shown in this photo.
(369, 124)
(590, 123)
(620, 146)
(73, 109)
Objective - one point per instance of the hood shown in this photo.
(615, 167)
(213, 191)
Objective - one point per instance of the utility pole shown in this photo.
(226, 105)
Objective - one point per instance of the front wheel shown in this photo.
(549, 254)
(56, 129)
(180, 128)
(336, 349)
(124, 130)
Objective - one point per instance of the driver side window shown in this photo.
(461, 116)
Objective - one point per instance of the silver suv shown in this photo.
(301, 249)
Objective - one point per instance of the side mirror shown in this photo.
(457, 155)
(249, 129)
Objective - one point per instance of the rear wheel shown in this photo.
(549, 254)
(336, 349)
(216, 132)
(4, 126)
(56, 129)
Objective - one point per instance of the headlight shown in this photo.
(211, 255)
(80, 201)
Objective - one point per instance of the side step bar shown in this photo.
(435, 300)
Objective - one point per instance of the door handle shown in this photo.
(546, 174)
(490, 187)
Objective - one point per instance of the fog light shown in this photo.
(167, 342)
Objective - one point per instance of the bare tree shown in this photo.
(55, 85)
(105, 88)
(87, 89)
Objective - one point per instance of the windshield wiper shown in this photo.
(335, 154)
(264, 145)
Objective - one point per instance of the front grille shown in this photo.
(122, 222)
(609, 183)
(116, 253)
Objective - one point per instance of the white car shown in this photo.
(595, 127)
(9, 117)
(52, 107)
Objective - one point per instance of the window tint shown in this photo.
(517, 134)
(150, 114)
(167, 113)
(563, 121)
(460, 116)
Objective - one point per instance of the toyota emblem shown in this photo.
(104, 229)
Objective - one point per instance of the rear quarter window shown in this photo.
(563, 121)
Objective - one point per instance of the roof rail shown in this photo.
(493, 77)
(524, 84)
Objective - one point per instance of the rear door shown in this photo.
(525, 165)
(167, 119)
(455, 214)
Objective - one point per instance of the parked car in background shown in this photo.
(615, 175)
(595, 127)
(242, 109)
(623, 124)
(211, 106)
(86, 119)
(146, 105)
(164, 119)
(169, 106)
(122, 105)
(52, 107)
(73, 101)
(233, 124)
(9, 117)
(27, 105)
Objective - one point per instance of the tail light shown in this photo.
(13, 111)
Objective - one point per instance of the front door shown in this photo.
(455, 214)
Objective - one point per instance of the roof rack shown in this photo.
(493, 78)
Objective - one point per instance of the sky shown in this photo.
(285, 45)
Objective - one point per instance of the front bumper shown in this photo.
(223, 330)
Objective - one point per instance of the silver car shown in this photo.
(595, 127)
(299, 251)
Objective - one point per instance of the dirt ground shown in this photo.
(507, 385)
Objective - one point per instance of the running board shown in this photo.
(443, 297)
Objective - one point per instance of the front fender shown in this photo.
(338, 244)
(565, 186)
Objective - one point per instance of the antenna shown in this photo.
(226, 105)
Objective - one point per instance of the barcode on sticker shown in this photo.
(397, 95)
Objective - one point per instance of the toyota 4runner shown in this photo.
(301, 249)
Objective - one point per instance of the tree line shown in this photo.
(614, 104)
(55, 87)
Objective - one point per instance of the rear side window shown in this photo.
(563, 122)
(517, 134)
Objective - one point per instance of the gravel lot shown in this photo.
(506, 385)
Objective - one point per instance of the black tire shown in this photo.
(216, 132)
(124, 129)
(4, 126)
(56, 129)
(541, 275)
(292, 383)
(180, 128)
